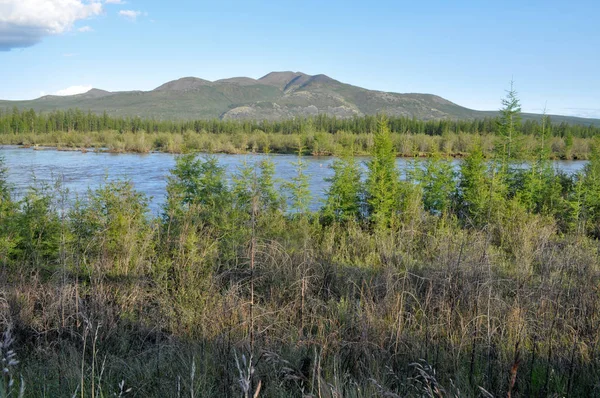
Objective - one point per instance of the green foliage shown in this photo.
(198, 183)
(5, 196)
(544, 136)
(111, 225)
(254, 191)
(298, 186)
(540, 191)
(322, 134)
(438, 181)
(245, 189)
(37, 236)
(509, 125)
(270, 198)
(345, 194)
(481, 190)
(382, 185)
(590, 193)
(7, 213)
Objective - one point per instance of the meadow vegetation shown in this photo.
(482, 281)
(321, 135)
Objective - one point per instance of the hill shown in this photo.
(277, 95)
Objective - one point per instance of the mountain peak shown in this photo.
(282, 79)
(94, 93)
(242, 81)
(323, 79)
(183, 84)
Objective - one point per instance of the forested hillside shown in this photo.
(275, 96)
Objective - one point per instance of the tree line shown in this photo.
(17, 121)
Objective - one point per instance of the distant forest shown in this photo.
(28, 121)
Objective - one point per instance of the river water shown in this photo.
(79, 171)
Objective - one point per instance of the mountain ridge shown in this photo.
(274, 96)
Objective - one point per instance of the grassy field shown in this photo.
(482, 282)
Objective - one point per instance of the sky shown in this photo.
(465, 51)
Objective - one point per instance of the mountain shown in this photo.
(184, 84)
(277, 95)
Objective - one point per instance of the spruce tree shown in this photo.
(437, 180)
(344, 196)
(271, 199)
(200, 184)
(383, 178)
(298, 186)
(7, 210)
(590, 189)
(481, 190)
(541, 190)
(509, 125)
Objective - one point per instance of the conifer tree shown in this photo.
(197, 183)
(298, 186)
(482, 189)
(437, 179)
(383, 178)
(541, 189)
(509, 126)
(590, 188)
(271, 199)
(7, 207)
(344, 196)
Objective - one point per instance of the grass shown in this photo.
(321, 326)
(230, 293)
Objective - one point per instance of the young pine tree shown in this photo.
(481, 189)
(198, 183)
(298, 187)
(345, 194)
(4, 186)
(270, 198)
(7, 213)
(437, 180)
(590, 192)
(508, 127)
(383, 179)
(110, 228)
(38, 227)
(541, 189)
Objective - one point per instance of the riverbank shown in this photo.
(452, 145)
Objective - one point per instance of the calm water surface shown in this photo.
(79, 171)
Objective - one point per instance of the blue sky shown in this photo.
(465, 51)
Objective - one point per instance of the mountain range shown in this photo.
(277, 95)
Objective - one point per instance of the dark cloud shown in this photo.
(14, 36)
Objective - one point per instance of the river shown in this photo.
(80, 171)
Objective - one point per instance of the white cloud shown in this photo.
(74, 90)
(114, 2)
(24, 23)
(130, 14)
(85, 29)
